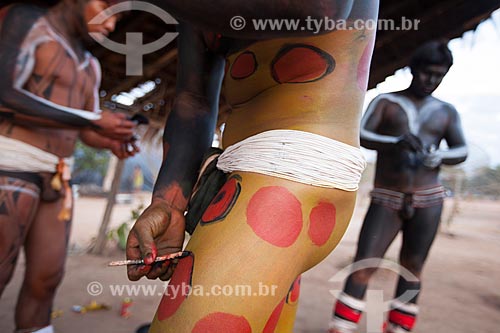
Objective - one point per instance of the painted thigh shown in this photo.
(259, 232)
(380, 227)
(18, 205)
(45, 247)
(418, 235)
(47, 242)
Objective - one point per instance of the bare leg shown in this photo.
(418, 235)
(45, 247)
(380, 227)
(18, 206)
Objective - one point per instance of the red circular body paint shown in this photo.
(223, 202)
(244, 65)
(301, 63)
(219, 322)
(322, 222)
(181, 283)
(275, 215)
(272, 322)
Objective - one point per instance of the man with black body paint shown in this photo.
(406, 129)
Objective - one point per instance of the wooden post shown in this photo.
(102, 237)
(458, 185)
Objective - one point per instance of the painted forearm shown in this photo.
(28, 104)
(191, 124)
(186, 140)
(375, 141)
(457, 153)
(95, 140)
(453, 155)
(370, 123)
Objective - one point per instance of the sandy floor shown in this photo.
(461, 278)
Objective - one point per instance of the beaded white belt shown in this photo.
(298, 156)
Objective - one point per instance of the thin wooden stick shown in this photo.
(177, 255)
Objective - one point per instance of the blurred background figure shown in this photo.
(48, 99)
(406, 129)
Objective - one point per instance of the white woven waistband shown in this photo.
(298, 156)
(20, 156)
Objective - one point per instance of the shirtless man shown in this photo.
(48, 97)
(291, 156)
(406, 128)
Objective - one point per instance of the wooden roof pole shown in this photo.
(102, 236)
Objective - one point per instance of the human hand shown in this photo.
(432, 159)
(115, 126)
(124, 149)
(411, 142)
(158, 231)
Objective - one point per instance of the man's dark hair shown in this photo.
(432, 53)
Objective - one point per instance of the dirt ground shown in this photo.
(461, 279)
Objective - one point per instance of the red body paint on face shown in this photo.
(272, 322)
(220, 322)
(275, 215)
(322, 222)
(294, 293)
(244, 65)
(364, 65)
(223, 202)
(181, 282)
(301, 64)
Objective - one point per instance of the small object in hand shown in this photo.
(125, 309)
(177, 255)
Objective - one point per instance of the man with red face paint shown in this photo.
(291, 158)
(48, 98)
(406, 129)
